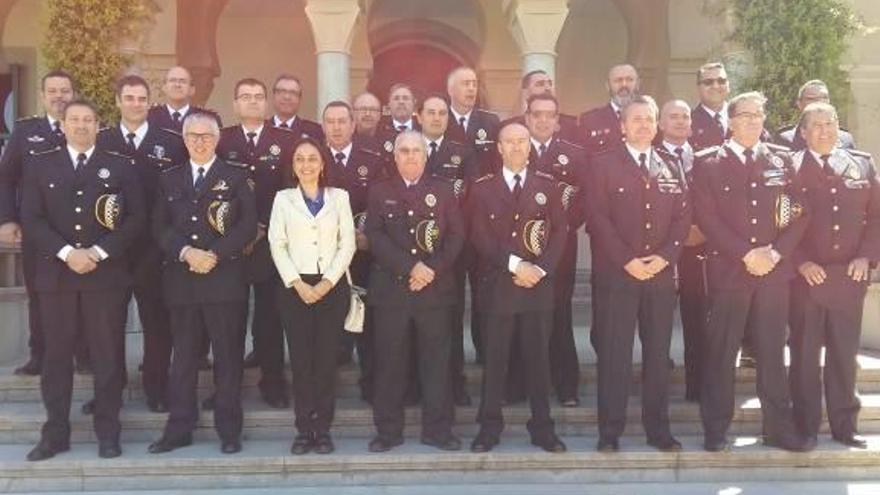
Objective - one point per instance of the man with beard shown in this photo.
(538, 82)
(600, 127)
(367, 111)
(811, 92)
(30, 135)
(286, 98)
(178, 89)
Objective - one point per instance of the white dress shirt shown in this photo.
(302, 243)
(721, 113)
(258, 131)
(514, 260)
(345, 151)
(182, 111)
(408, 124)
(139, 134)
(289, 122)
(635, 154)
(458, 116)
(739, 150)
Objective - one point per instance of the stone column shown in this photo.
(197, 43)
(536, 25)
(333, 23)
(648, 48)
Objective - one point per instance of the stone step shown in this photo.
(20, 422)
(27, 388)
(514, 461)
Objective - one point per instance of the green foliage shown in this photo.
(84, 37)
(792, 42)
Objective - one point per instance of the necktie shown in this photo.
(340, 159)
(750, 159)
(80, 161)
(461, 122)
(402, 128)
(433, 146)
(251, 142)
(517, 186)
(56, 128)
(200, 179)
(719, 123)
(826, 167)
(679, 151)
(541, 150)
(175, 116)
(617, 112)
(643, 162)
(284, 125)
(130, 143)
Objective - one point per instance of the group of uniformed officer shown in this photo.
(168, 207)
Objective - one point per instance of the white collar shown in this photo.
(289, 123)
(408, 124)
(835, 164)
(739, 150)
(139, 133)
(52, 121)
(73, 153)
(428, 142)
(207, 166)
(671, 147)
(182, 110)
(458, 116)
(615, 107)
(508, 177)
(258, 130)
(345, 151)
(635, 154)
(537, 144)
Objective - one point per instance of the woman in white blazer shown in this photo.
(312, 240)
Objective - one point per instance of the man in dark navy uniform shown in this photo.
(834, 260)
(29, 135)
(600, 127)
(178, 89)
(355, 169)
(205, 215)
(402, 104)
(471, 125)
(416, 233)
(286, 98)
(567, 162)
(639, 217)
(367, 113)
(83, 210)
(748, 205)
(266, 154)
(709, 121)
(538, 82)
(153, 150)
(812, 91)
(519, 230)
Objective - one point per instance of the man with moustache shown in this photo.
(538, 82)
(811, 92)
(355, 169)
(738, 190)
(567, 163)
(416, 233)
(83, 210)
(265, 152)
(153, 150)
(639, 216)
(402, 103)
(205, 215)
(286, 98)
(709, 121)
(518, 229)
(178, 89)
(675, 130)
(30, 135)
(367, 111)
(470, 125)
(454, 162)
(833, 259)
(600, 127)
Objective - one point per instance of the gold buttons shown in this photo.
(77, 227)
(835, 208)
(647, 206)
(410, 213)
(754, 221)
(647, 246)
(648, 186)
(753, 240)
(516, 217)
(833, 190)
(194, 218)
(413, 251)
(78, 209)
(754, 202)
(79, 193)
(648, 225)
(513, 234)
(754, 185)
(836, 227)
(194, 237)
(412, 231)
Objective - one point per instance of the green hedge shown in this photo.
(791, 42)
(83, 38)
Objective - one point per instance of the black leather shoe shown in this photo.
(231, 447)
(250, 361)
(569, 402)
(46, 450)
(791, 443)
(381, 444)
(157, 406)
(551, 444)
(668, 444)
(719, 445)
(852, 440)
(30, 368)
(324, 444)
(205, 363)
(462, 399)
(607, 445)
(109, 450)
(88, 408)
(449, 442)
(166, 444)
(483, 443)
(302, 444)
(208, 403)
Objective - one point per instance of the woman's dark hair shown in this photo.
(290, 178)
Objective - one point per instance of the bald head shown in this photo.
(514, 146)
(178, 87)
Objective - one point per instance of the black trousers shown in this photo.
(268, 336)
(622, 304)
(222, 321)
(313, 338)
(693, 306)
(564, 365)
(29, 260)
(456, 361)
(762, 313)
(394, 328)
(532, 330)
(156, 324)
(839, 330)
(103, 314)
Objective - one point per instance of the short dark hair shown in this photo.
(248, 81)
(80, 102)
(290, 179)
(542, 97)
(287, 77)
(432, 96)
(705, 67)
(131, 80)
(339, 103)
(526, 79)
(57, 73)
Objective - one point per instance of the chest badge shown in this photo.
(431, 200)
(103, 173)
(481, 134)
(389, 147)
(541, 199)
(455, 159)
(363, 171)
(159, 151)
(563, 159)
(36, 138)
(220, 186)
(275, 150)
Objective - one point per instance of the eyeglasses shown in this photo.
(200, 138)
(251, 97)
(367, 109)
(749, 115)
(721, 81)
(287, 92)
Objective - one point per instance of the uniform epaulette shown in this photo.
(545, 175)
(861, 153)
(707, 151)
(573, 145)
(236, 164)
(282, 129)
(173, 167)
(484, 178)
(45, 151)
(370, 151)
(785, 128)
(230, 128)
(28, 118)
(662, 151)
(776, 147)
(104, 129)
(452, 141)
(171, 131)
(157, 104)
(487, 112)
(116, 153)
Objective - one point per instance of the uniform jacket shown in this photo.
(30, 135)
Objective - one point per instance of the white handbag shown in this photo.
(354, 320)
